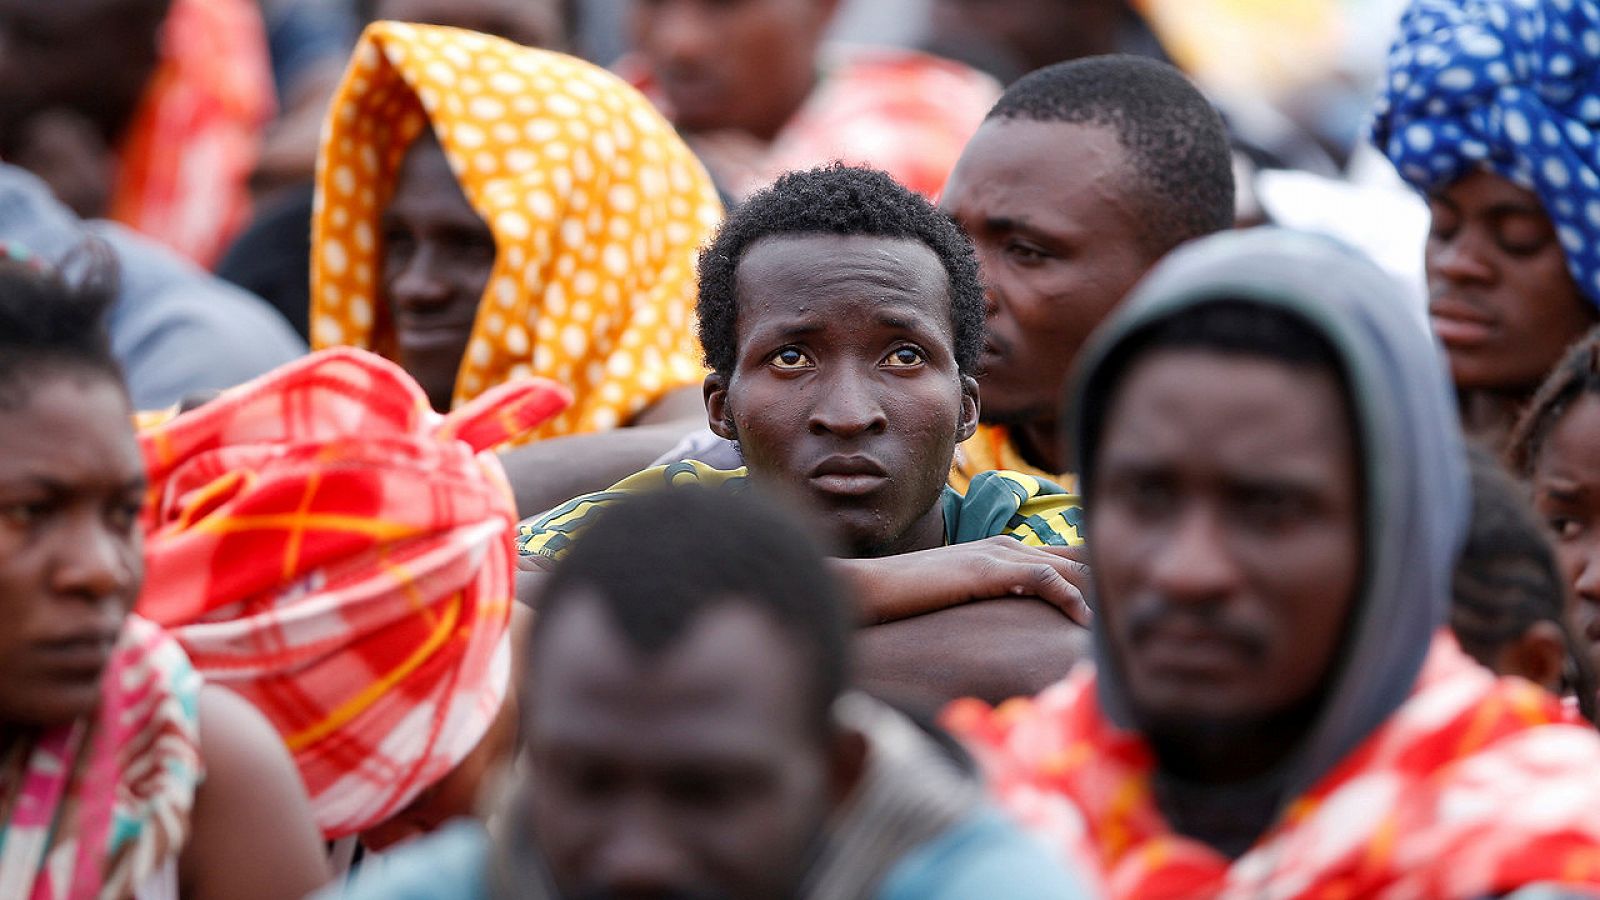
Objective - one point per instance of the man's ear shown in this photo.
(1538, 654)
(847, 764)
(717, 415)
(969, 409)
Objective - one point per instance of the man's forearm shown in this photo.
(990, 649)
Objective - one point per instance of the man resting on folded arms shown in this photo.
(841, 317)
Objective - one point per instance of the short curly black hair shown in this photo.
(835, 199)
(1177, 146)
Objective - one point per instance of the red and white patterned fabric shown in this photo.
(184, 164)
(323, 543)
(907, 113)
(94, 808)
(1473, 787)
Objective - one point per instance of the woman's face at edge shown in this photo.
(72, 484)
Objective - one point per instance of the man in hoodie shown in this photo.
(1276, 492)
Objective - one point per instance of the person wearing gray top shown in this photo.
(176, 330)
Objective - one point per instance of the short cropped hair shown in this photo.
(1179, 160)
(657, 561)
(843, 200)
(54, 324)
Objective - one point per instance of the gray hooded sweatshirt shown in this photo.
(174, 329)
(1411, 453)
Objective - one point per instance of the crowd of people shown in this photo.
(762, 467)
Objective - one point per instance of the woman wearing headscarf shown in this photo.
(122, 774)
(1490, 109)
(340, 555)
(488, 212)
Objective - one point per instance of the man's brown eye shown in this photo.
(789, 358)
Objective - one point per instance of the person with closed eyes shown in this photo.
(1501, 144)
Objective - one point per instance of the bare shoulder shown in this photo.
(253, 835)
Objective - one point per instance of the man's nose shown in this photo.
(1462, 258)
(419, 283)
(847, 406)
(681, 32)
(1194, 564)
(95, 562)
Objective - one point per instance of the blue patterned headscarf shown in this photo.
(1512, 86)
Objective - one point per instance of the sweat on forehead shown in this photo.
(834, 200)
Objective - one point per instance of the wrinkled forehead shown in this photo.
(819, 275)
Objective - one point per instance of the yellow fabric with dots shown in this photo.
(597, 209)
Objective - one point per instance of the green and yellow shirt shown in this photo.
(1033, 510)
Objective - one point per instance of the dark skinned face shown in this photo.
(744, 65)
(1058, 243)
(1500, 296)
(1224, 534)
(437, 257)
(696, 773)
(92, 56)
(1566, 494)
(845, 391)
(71, 486)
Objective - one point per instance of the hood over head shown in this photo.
(1409, 444)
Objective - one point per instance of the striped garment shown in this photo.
(1032, 510)
(95, 808)
(990, 448)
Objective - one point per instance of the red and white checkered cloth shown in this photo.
(324, 544)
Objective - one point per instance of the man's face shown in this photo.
(92, 56)
(71, 485)
(1224, 530)
(437, 257)
(731, 64)
(698, 772)
(1499, 294)
(533, 23)
(845, 391)
(1058, 240)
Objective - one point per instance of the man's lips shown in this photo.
(1458, 323)
(1192, 653)
(848, 476)
(425, 333)
(691, 90)
(1193, 645)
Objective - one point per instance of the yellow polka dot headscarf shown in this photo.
(597, 210)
